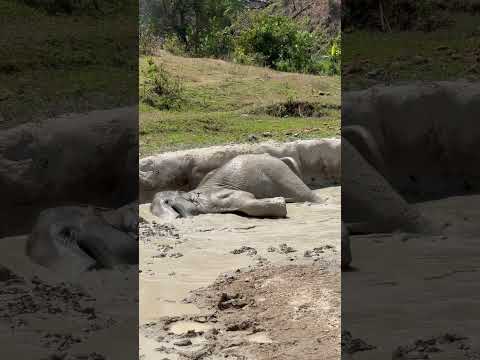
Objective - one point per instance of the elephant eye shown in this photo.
(166, 202)
(67, 234)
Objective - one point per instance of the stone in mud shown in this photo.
(227, 302)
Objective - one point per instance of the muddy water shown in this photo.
(206, 243)
(423, 286)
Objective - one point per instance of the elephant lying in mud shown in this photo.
(369, 203)
(74, 239)
(256, 185)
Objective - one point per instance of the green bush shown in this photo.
(217, 43)
(282, 44)
(174, 45)
(160, 89)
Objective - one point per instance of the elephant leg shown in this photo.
(273, 207)
(246, 203)
(290, 185)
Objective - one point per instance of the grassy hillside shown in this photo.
(56, 63)
(449, 53)
(228, 103)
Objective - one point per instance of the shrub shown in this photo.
(217, 43)
(282, 44)
(277, 40)
(174, 45)
(159, 88)
(147, 40)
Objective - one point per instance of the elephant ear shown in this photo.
(293, 165)
(362, 139)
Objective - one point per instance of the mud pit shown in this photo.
(41, 314)
(416, 296)
(223, 286)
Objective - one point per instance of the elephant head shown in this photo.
(77, 239)
(176, 204)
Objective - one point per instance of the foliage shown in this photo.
(198, 24)
(160, 89)
(147, 40)
(174, 45)
(282, 44)
(398, 14)
(227, 29)
(78, 6)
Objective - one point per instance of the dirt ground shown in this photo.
(43, 315)
(416, 297)
(225, 286)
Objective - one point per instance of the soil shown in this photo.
(43, 316)
(243, 288)
(416, 297)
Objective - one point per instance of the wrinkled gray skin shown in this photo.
(256, 185)
(71, 240)
(369, 203)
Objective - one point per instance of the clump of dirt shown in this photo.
(149, 230)
(245, 250)
(262, 313)
(351, 345)
(456, 346)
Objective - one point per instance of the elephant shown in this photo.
(369, 203)
(75, 239)
(256, 185)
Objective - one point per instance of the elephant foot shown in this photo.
(273, 207)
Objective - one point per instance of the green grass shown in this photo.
(446, 54)
(226, 102)
(52, 64)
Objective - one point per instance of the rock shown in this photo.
(267, 134)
